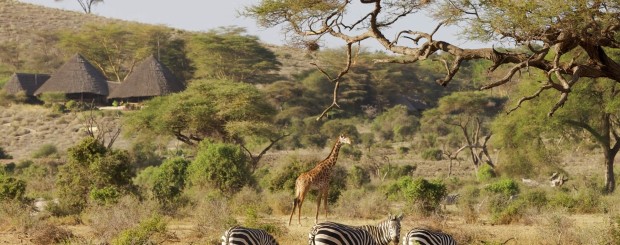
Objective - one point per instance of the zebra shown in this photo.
(238, 235)
(338, 234)
(419, 236)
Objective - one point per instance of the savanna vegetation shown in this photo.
(228, 149)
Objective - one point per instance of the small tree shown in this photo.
(170, 181)
(220, 165)
(93, 168)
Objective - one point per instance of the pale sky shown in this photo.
(204, 15)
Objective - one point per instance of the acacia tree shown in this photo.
(86, 4)
(228, 54)
(550, 30)
(222, 111)
(116, 48)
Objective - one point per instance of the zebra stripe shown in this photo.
(238, 235)
(330, 233)
(426, 237)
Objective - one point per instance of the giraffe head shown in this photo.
(393, 223)
(343, 139)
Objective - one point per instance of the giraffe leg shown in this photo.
(318, 207)
(295, 202)
(325, 196)
(301, 201)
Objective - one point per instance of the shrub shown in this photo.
(45, 233)
(108, 221)
(220, 165)
(423, 194)
(284, 179)
(351, 152)
(142, 233)
(358, 176)
(485, 172)
(11, 188)
(105, 195)
(53, 98)
(90, 167)
(169, 181)
(395, 124)
(432, 154)
(45, 150)
(504, 186)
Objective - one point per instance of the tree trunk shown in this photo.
(610, 179)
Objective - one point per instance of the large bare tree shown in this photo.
(567, 41)
(549, 29)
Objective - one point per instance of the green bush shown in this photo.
(432, 154)
(485, 172)
(90, 167)
(284, 178)
(169, 181)
(45, 150)
(105, 195)
(423, 194)
(11, 188)
(504, 186)
(142, 233)
(395, 124)
(504, 211)
(53, 98)
(223, 166)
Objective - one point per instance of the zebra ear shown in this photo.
(399, 217)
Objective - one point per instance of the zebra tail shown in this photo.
(226, 236)
(311, 236)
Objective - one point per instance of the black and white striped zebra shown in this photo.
(425, 237)
(238, 235)
(331, 233)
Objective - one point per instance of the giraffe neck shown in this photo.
(333, 155)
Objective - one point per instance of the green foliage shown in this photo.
(220, 165)
(358, 176)
(485, 173)
(284, 179)
(11, 188)
(169, 181)
(504, 186)
(395, 124)
(105, 195)
(432, 154)
(45, 150)
(221, 110)
(92, 167)
(117, 47)
(351, 152)
(144, 154)
(423, 194)
(228, 54)
(142, 233)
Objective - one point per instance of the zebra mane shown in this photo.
(380, 232)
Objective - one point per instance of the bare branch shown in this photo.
(526, 98)
(336, 82)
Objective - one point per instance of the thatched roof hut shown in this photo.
(150, 78)
(25, 82)
(77, 78)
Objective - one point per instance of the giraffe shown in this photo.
(318, 179)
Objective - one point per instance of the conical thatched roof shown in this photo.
(26, 82)
(77, 75)
(149, 78)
